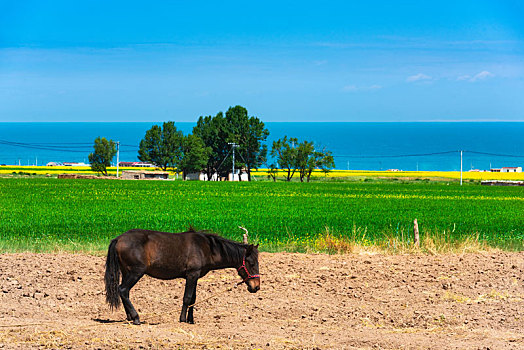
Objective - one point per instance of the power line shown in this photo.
(20, 144)
(78, 147)
(45, 144)
(86, 147)
(396, 156)
(223, 160)
(56, 144)
(497, 154)
(45, 148)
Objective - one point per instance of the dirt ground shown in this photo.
(471, 301)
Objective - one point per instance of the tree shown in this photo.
(272, 172)
(195, 155)
(235, 127)
(162, 146)
(104, 152)
(304, 162)
(320, 160)
(302, 158)
(309, 159)
(213, 133)
(286, 155)
(248, 133)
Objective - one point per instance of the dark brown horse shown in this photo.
(164, 255)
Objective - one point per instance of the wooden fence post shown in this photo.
(244, 236)
(416, 237)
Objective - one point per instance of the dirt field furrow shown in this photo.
(470, 301)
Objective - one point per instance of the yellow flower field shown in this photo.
(54, 170)
(42, 170)
(412, 174)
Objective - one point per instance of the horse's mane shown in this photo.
(191, 228)
(227, 247)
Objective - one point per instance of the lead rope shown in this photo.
(216, 294)
(249, 276)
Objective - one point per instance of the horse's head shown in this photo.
(249, 269)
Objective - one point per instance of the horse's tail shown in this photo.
(112, 276)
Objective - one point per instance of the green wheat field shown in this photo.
(47, 214)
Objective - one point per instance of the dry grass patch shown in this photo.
(433, 243)
(339, 244)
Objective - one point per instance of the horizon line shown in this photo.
(312, 121)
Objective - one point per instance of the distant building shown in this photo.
(393, 170)
(495, 170)
(136, 164)
(203, 177)
(511, 169)
(74, 164)
(54, 164)
(502, 183)
(199, 176)
(237, 177)
(144, 175)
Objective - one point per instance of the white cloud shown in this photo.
(479, 76)
(349, 88)
(482, 75)
(464, 77)
(353, 88)
(418, 77)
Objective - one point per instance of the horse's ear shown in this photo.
(256, 246)
(249, 249)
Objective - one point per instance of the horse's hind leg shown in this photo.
(189, 298)
(126, 307)
(128, 281)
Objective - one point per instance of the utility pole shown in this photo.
(117, 157)
(461, 168)
(234, 145)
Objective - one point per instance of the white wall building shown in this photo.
(243, 177)
(199, 176)
(511, 169)
(203, 177)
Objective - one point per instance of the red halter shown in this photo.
(249, 276)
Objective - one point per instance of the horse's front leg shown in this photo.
(128, 281)
(190, 318)
(189, 297)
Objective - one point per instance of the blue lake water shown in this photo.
(363, 146)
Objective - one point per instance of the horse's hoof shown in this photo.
(191, 322)
(136, 321)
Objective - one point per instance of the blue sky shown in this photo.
(284, 61)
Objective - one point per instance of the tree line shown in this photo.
(208, 149)
(302, 159)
